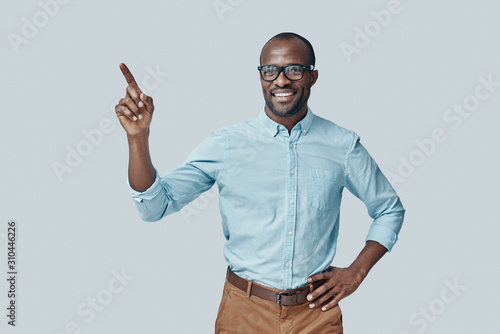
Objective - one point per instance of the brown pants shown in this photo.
(240, 313)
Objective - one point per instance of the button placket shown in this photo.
(289, 243)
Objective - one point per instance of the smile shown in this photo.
(283, 94)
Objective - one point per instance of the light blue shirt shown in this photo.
(279, 195)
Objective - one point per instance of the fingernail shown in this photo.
(311, 305)
(134, 118)
(324, 308)
(140, 116)
(141, 104)
(309, 279)
(309, 297)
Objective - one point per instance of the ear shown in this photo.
(314, 77)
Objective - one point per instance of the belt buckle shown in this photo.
(284, 293)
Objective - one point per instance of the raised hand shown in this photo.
(135, 110)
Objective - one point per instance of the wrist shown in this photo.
(360, 270)
(138, 137)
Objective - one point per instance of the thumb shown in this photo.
(148, 102)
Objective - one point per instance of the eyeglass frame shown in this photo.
(282, 68)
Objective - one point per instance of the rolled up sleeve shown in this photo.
(177, 188)
(365, 180)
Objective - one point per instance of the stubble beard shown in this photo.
(294, 108)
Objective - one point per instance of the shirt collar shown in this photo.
(273, 128)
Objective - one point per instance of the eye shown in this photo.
(294, 69)
(268, 70)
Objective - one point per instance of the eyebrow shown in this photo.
(283, 65)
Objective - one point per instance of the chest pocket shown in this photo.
(324, 186)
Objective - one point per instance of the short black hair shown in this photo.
(290, 35)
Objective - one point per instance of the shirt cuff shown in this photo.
(147, 194)
(383, 235)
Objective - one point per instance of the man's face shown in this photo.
(283, 96)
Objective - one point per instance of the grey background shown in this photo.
(73, 233)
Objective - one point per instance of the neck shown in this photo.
(287, 121)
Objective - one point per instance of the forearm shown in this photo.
(371, 253)
(141, 172)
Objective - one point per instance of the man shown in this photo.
(280, 177)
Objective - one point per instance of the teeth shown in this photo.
(283, 94)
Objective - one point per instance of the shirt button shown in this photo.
(290, 233)
(287, 264)
(292, 172)
(303, 131)
(291, 145)
(291, 201)
(281, 128)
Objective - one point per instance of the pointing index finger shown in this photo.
(129, 77)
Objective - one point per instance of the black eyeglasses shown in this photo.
(293, 72)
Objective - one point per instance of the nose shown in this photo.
(281, 80)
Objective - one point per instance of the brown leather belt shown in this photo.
(281, 297)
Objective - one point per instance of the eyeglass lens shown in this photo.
(292, 72)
